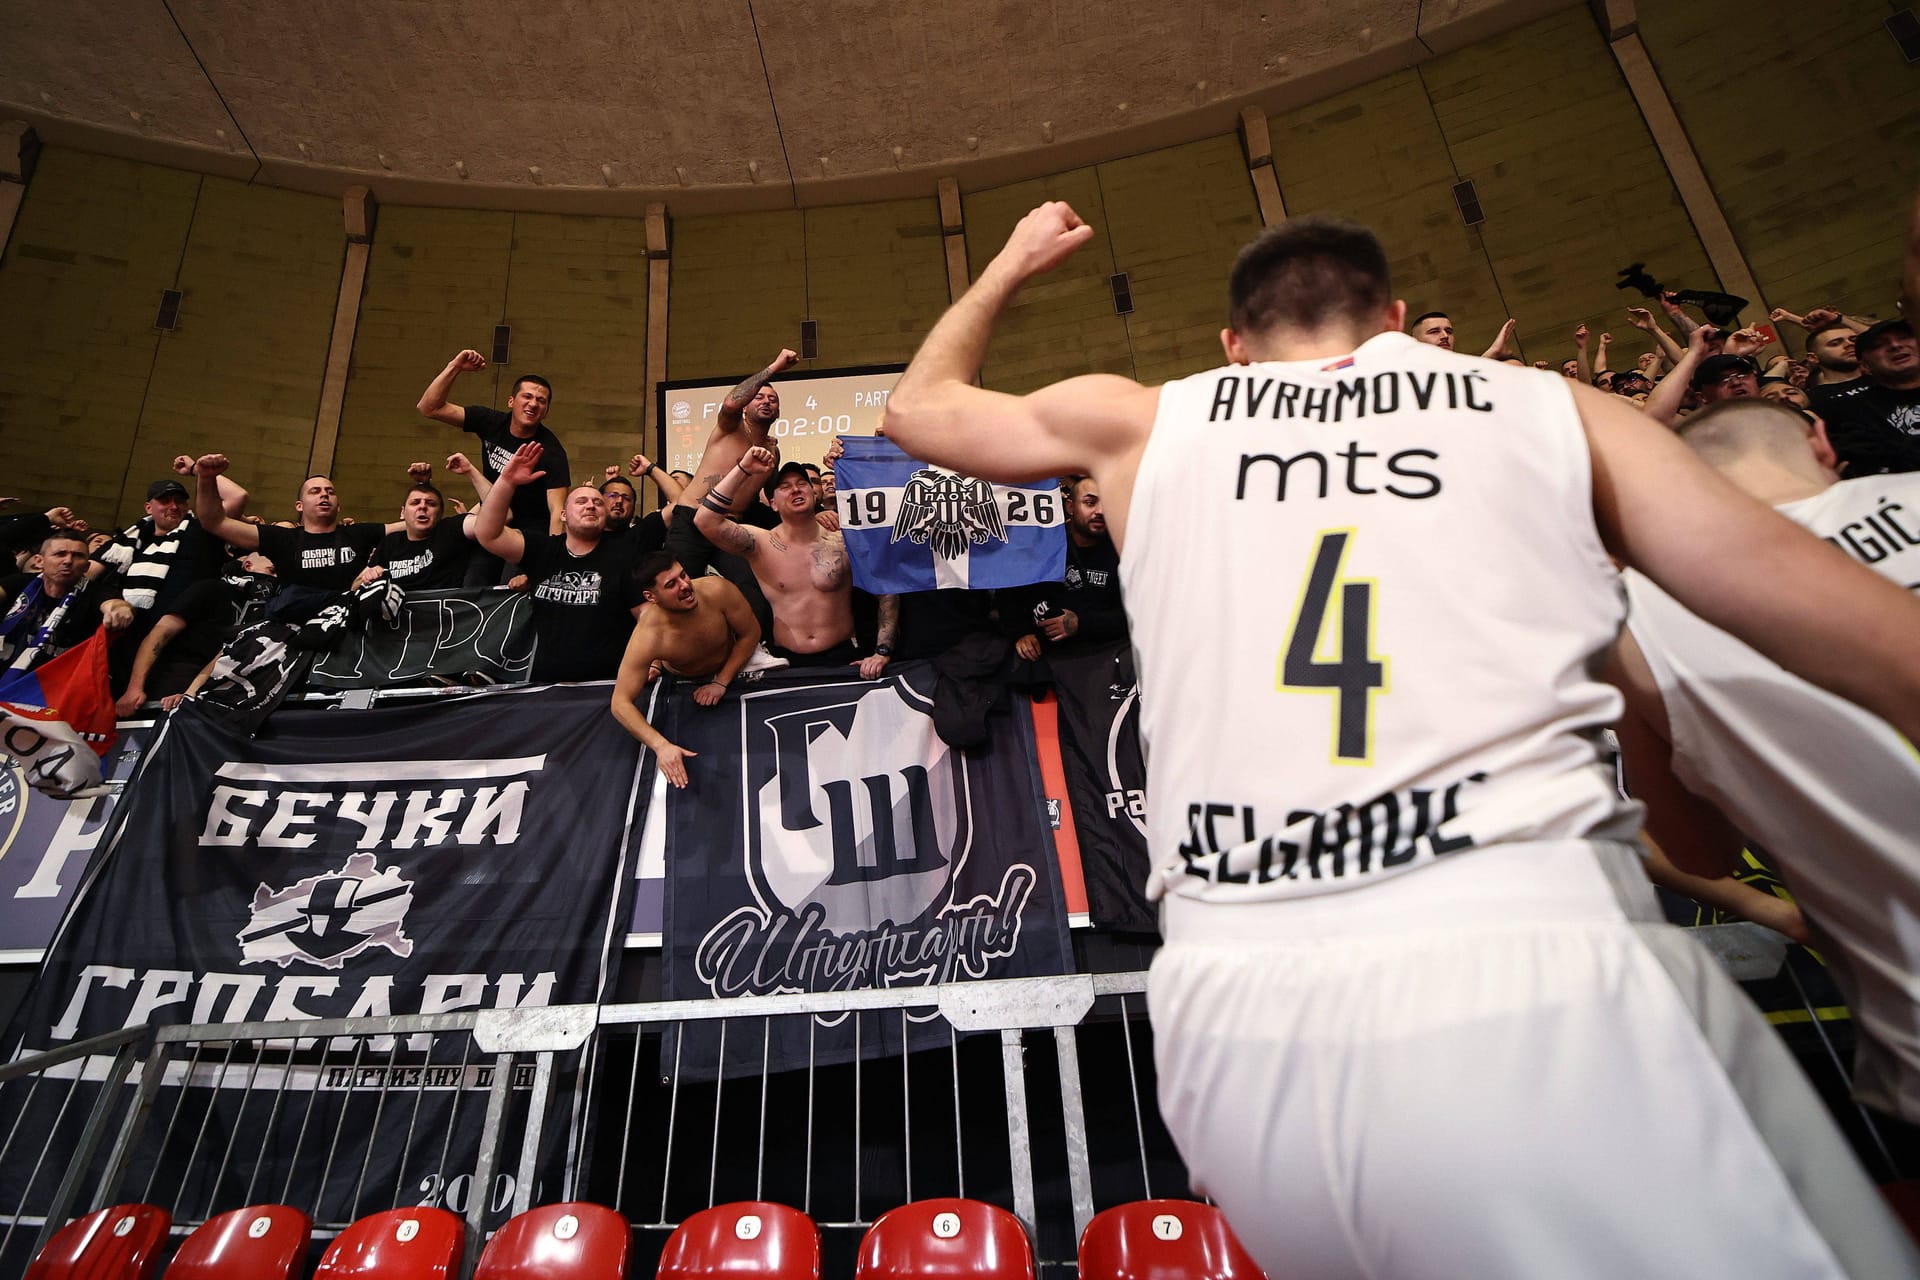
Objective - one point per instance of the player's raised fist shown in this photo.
(211, 464)
(184, 464)
(420, 472)
(469, 360)
(785, 360)
(1045, 238)
(757, 461)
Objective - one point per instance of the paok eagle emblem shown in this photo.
(947, 512)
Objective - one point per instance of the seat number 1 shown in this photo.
(1350, 671)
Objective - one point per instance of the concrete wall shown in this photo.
(96, 242)
(436, 282)
(1806, 121)
(1570, 182)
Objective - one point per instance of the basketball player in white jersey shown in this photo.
(1416, 1014)
(1716, 733)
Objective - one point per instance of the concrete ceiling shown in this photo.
(598, 106)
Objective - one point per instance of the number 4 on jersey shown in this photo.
(1352, 671)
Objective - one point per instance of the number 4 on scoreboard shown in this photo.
(1352, 672)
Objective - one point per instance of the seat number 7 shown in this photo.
(1351, 672)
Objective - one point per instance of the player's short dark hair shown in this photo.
(63, 535)
(1306, 273)
(534, 378)
(427, 486)
(651, 566)
(1425, 316)
(610, 481)
(300, 493)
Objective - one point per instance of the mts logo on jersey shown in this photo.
(854, 843)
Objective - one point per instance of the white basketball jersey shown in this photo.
(1369, 601)
(1829, 790)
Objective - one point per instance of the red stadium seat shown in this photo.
(945, 1240)
(746, 1240)
(1164, 1240)
(118, 1243)
(570, 1241)
(419, 1243)
(260, 1242)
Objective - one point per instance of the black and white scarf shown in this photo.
(144, 557)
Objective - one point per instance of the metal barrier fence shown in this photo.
(178, 1112)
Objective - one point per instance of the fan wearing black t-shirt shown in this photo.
(319, 553)
(536, 508)
(426, 553)
(1873, 421)
(581, 581)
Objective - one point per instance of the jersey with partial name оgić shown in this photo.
(1830, 790)
(1370, 604)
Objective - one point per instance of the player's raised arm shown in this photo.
(1749, 570)
(741, 396)
(1084, 424)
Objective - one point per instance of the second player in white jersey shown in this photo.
(1400, 545)
(1830, 791)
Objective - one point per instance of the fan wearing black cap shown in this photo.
(1874, 421)
(159, 556)
(801, 567)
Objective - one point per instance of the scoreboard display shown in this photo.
(816, 407)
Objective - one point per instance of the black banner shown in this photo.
(486, 630)
(1106, 781)
(467, 855)
(828, 840)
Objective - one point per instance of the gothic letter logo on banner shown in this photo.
(830, 841)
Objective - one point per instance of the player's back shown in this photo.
(1828, 789)
(1369, 600)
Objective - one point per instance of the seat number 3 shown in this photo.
(1351, 671)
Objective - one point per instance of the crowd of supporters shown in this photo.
(181, 583)
(209, 585)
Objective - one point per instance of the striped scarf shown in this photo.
(144, 557)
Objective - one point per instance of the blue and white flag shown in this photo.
(912, 526)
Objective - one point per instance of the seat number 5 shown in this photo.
(1329, 648)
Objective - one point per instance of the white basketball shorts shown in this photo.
(1502, 1065)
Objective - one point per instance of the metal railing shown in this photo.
(180, 1111)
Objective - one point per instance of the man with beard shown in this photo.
(1874, 421)
(801, 567)
(581, 580)
(696, 629)
(1085, 607)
